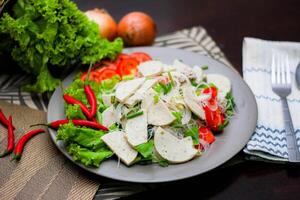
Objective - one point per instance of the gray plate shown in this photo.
(227, 144)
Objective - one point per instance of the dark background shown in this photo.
(227, 21)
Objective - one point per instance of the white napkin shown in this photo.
(269, 140)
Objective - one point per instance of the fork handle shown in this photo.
(293, 149)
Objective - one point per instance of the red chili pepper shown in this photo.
(90, 95)
(23, 140)
(95, 125)
(3, 119)
(10, 138)
(72, 100)
(76, 122)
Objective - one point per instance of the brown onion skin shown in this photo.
(137, 29)
(107, 25)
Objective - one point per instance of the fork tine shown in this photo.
(288, 72)
(273, 80)
(278, 71)
(282, 66)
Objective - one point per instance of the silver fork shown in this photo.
(281, 85)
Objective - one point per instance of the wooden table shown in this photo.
(228, 22)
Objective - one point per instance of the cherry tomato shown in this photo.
(140, 56)
(127, 66)
(206, 135)
(214, 119)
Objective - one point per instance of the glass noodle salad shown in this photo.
(155, 112)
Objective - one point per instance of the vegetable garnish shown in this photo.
(76, 122)
(90, 95)
(206, 135)
(73, 101)
(124, 66)
(23, 140)
(10, 139)
(135, 114)
(204, 67)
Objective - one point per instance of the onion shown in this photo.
(107, 25)
(137, 29)
(187, 116)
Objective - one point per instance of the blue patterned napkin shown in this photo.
(269, 140)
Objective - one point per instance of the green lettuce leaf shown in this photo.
(85, 137)
(88, 157)
(52, 34)
(193, 132)
(45, 82)
(74, 112)
(145, 149)
(147, 154)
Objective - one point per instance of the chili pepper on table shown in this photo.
(10, 139)
(72, 100)
(76, 122)
(23, 140)
(3, 119)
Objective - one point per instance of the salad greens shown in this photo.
(84, 144)
(147, 154)
(87, 156)
(229, 110)
(83, 136)
(47, 35)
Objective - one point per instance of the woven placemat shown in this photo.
(194, 39)
(43, 172)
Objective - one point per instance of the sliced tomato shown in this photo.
(214, 92)
(206, 135)
(127, 66)
(140, 56)
(109, 64)
(106, 73)
(214, 119)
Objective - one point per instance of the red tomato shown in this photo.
(127, 66)
(140, 56)
(110, 64)
(106, 73)
(214, 119)
(120, 57)
(214, 92)
(206, 135)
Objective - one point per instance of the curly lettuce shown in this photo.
(47, 35)
(87, 156)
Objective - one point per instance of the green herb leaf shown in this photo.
(145, 149)
(135, 114)
(204, 67)
(74, 112)
(193, 132)
(88, 157)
